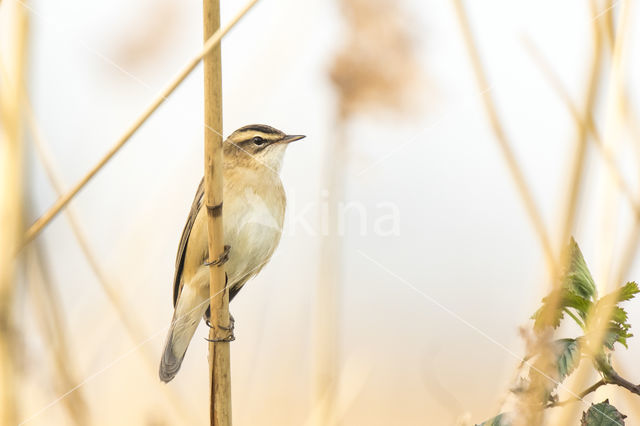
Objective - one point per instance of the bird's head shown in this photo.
(257, 145)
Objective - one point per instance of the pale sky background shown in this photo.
(465, 242)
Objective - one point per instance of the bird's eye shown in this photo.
(258, 140)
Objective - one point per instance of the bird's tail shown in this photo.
(185, 321)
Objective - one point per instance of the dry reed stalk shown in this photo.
(546, 364)
(127, 317)
(13, 61)
(327, 295)
(631, 244)
(48, 310)
(577, 168)
(209, 46)
(614, 104)
(503, 141)
(375, 70)
(219, 352)
(598, 325)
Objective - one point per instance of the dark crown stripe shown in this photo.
(260, 128)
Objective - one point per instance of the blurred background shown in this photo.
(408, 261)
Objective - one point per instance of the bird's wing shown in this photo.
(182, 248)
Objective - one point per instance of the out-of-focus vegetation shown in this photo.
(80, 306)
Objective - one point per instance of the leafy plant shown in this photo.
(577, 299)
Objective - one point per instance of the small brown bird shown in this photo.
(253, 211)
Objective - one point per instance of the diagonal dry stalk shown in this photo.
(211, 43)
(13, 61)
(219, 351)
(606, 154)
(48, 310)
(504, 143)
(127, 317)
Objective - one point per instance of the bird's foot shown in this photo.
(232, 323)
(220, 260)
(230, 337)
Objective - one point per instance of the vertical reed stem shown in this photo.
(11, 161)
(327, 314)
(219, 352)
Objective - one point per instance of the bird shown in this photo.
(253, 209)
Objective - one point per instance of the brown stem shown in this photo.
(612, 378)
(615, 379)
(581, 395)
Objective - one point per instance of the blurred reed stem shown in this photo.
(612, 139)
(598, 325)
(219, 352)
(630, 247)
(606, 154)
(210, 44)
(327, 294)
(127, 316)
(576, 175)
(48, 312)
(375, 70)
(13, 65)
(504, 143)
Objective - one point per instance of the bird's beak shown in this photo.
(291, 138)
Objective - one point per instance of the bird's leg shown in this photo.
(222, 259)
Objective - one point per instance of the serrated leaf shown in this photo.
(568, 356)
(578, 291)
(567, 299)
(619, 315)
(499, 420)
(602, 414)
(628, 291)
(617, 333)
(618, 330)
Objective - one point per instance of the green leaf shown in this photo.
(618, 330)
(617, 333)
(577, 291)
(566, 300)
(577, 302)
(619, 315)
(499, 420)
(628, 291)
(568, 356)
(578, 279)
(602, 414)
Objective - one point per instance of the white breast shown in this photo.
(252, 228)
